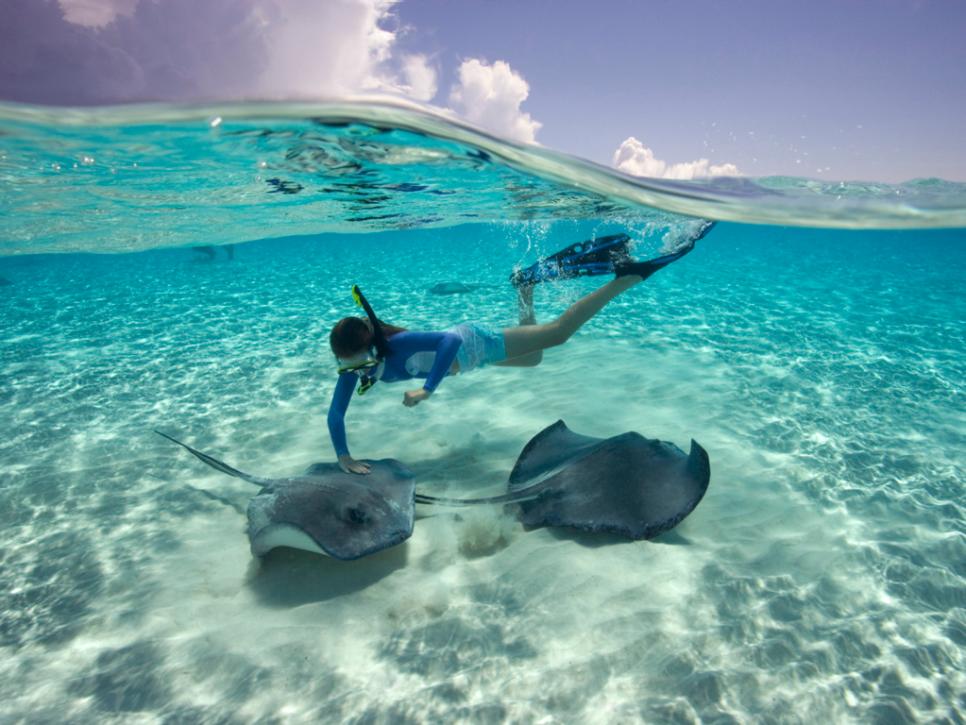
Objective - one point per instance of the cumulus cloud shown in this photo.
(419, 77)
(326, 48)
(633, 157)
(491, 95)
(80, 52)
(97, 51)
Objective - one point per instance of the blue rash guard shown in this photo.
(428, 355)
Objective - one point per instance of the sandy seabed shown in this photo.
(821, 579)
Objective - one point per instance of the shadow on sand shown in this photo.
(597, 539)
(290, 578)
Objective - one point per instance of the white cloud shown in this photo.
(78, 52)
(419, 77)
(330, 48)
(95, 13)
(490, 96)
(633, 157)
(97, 51)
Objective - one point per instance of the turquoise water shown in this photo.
(820, 580)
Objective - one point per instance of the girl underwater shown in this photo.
(369, 350)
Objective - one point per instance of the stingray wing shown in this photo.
(550, 449)
(627, 485)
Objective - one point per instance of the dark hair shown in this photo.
(351, 335)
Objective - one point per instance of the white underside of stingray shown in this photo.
(272, 537)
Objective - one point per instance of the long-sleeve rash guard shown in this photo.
(411, 355)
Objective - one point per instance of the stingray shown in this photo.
(628, 485)
(327, 511)
(454, 288)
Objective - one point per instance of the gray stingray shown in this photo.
(628, 484)
(325, 510)
(454, 288)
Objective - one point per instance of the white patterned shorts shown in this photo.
(481, 346)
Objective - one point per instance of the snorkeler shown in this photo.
(369, 350)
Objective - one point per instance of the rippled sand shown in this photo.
(820, 580)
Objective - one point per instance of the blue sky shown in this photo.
(851, 89)
(876, 88)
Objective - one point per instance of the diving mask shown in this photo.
(368, 371)
(357, 367)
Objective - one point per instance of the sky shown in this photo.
(829, 89)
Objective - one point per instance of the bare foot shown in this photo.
(525, 298)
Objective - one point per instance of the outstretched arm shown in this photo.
(445, 345)
(336, 420)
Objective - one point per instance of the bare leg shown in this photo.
(529, 339)
(527, 317)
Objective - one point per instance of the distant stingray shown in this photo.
(344, 515)
(453, 288)
(207, 252)
(628, 485)
(4, 282)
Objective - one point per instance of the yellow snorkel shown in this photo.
(366, 380)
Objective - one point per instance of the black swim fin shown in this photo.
(583, 259)
(648, 267)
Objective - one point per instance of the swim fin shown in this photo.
(647, 268)
(583, 259)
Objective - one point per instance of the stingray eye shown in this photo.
(356, 515)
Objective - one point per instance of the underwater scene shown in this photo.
(179, 269)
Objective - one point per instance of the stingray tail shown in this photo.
(512, 497)
(215, 463)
